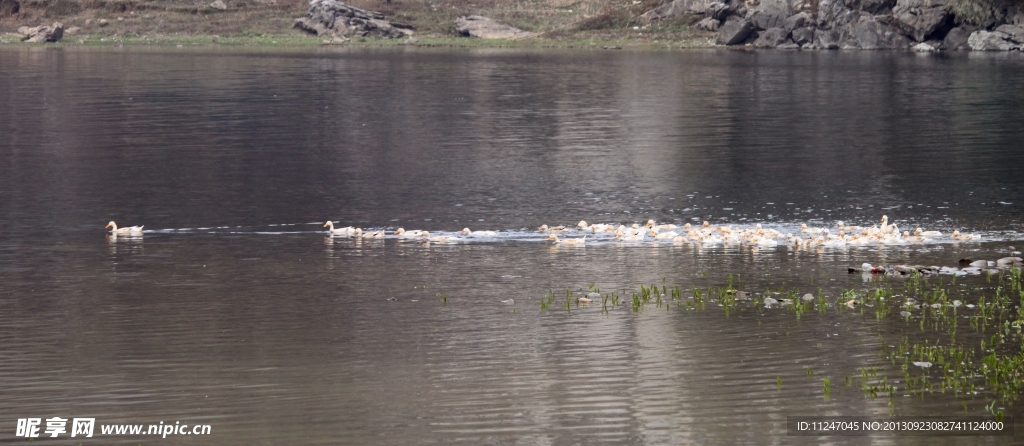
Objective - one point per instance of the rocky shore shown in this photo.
(921, 25)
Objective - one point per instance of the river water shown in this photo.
(234, 310)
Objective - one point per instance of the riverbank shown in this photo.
(554, 23)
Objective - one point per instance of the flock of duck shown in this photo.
(883, 233)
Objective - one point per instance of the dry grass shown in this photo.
(558, 20)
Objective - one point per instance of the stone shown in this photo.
(44, 33)
(802, 36)
(828, 39)
(485, 28)
(921, 19)
(72, 30)
(219, 5)
(788, 46)
(835, 13)
(772, 38)
(340, 20)
(734, 32)
(102, 22)
(1016, 32)
(991, 41)
(956, 38)
(870, 33)
(875, 7)
(797, 21)
(708, 24)
(676, 8)
(770, 14)
(923, 47)
(718, 11)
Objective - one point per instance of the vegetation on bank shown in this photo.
(556, 23)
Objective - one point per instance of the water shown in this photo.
(234, 310)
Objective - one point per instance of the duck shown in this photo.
(670, 235)
(569, 241)
(131, 230)
(467, 232)
(665, 227)
(346, 231)
(956, 235)
(425, 235)
(546, 228)
(402, 233)
(374, 234)
(914, 238)
(924, 233)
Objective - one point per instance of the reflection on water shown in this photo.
(234, 310)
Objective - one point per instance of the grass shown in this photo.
(937, 353)
(556, 23)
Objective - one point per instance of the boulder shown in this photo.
(770, 14)
(708, 24)
(802, 36)
(870, 33)
(719, 11)
(340, 20)
(797, 21)
(485, 28)
(676, 8)
(734, 32)
(921, 19)
(44, 33)
(835, 14)
(991, 41)
(876, 7)
(956, 38)
(219, 5)
(1016, 32)
(772, 38)
(828, 39)
(923, 47)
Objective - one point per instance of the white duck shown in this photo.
(425, 235)
(467, 232)
(344, 232)
(402, 233)
(924, 233)
(131, 230)
(569, 241)
(546, 228)
(374, 234)
(966, 237)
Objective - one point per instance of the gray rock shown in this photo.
(788, 46)
(485, 28)
(718, 11)
(708, 24)
(1014, 14)
(219, 5)
(44, 33)
(770, 14)
(921, 19)
(772, 38)
(797, 21)
(102, 23)
(956, 39)
(991, 41)
(835, 13)
(870, 33)
(677, 8)
(828, 39)
(734, 32)
(340, 20)
(923, 47)
(802, 36)
(875, 7)
(1016, 32)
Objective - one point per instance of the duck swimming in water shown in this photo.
(569, 241)
(468, 233)
(345, 232)
(131, 230)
